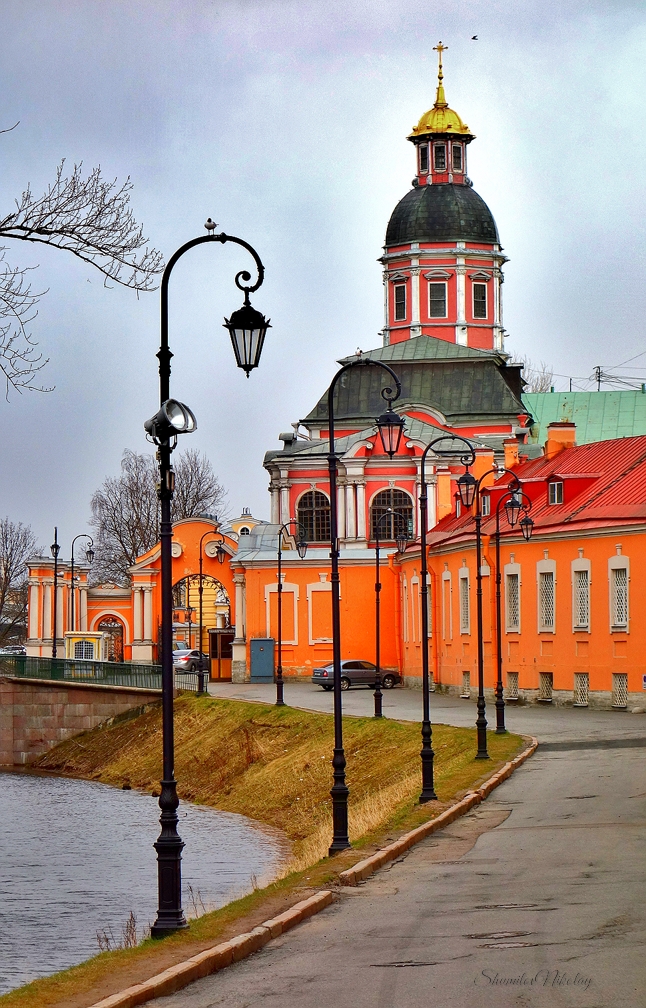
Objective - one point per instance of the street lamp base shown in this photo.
(427, 796)
(280, 703)
(482, 756)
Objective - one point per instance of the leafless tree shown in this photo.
(17, 544)
(125, 510)
(538, 377)
(87, 216)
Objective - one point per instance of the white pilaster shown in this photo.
(34, 598)
(361, 510)
(414, 299)
(340, 509)
(47, 610)
(350, 512)
(461, 334)
(83, 605)
(137, 614)
(148, 614)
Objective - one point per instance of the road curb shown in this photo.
(214, 959)
(362, 870)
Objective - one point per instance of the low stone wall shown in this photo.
(37, 714)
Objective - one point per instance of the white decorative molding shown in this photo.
(176, 549)
(272, 589)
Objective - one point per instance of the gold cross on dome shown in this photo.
(439, 49)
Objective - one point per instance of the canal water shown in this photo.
(76, 857)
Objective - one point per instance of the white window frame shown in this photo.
(557, 487)
(447, 606)
(512, 570)
(581, 564)
(436, 147)
(399, 285)
(424, 171)
(545, 567)
(464, 594)
(457, 146)
(485, 504)
(438, 283)
(618, 562)
(480, 283)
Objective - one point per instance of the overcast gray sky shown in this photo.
(286, 122)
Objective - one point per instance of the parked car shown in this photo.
(188, 660)
(13, 649)
(354, 673)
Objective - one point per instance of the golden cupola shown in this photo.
(441, 118)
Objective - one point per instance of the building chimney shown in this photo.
(511, 452)
(560, 435)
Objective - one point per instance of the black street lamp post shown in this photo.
(89, 555)
(221, 555)
(390, 426)
(447, 446)
(247, 329)
(401, 537)
(55, 550)
(513, 501)
(301, 547)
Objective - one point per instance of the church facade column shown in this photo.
(239, 672)
(415, 326)
(83, 608)
(48, 587)
(361, 510)
(350, 512)
(461, 333)
(137, 615)
(34, 609)
(148, 614)
(340, 508)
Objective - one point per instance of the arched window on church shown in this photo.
(314, 516)
(402, 521)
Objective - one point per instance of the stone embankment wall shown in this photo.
(37, 714)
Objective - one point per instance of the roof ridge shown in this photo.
(604, 489)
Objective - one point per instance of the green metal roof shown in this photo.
(426, 348)
(599, 416)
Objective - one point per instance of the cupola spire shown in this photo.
(440, 99)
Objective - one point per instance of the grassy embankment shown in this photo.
(273, 765)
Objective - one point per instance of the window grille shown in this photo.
(423, 158)
(439, 155)
(314, 516)
(619, 688)
(84, 649)
(555, 493)
(619, 595)
(545, 686)
(546, 600)
(582, 599)
(466, 685)
(512, 686)
(457, 157)
(437, 300)
(581, 689)
(479, 300)
(513, 602)
(401, 521)
(464, 605)
(400, 302)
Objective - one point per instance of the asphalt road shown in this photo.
(536, 898)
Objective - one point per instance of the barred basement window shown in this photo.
(437, 300)
(423, 158)
(581, 689)
(513, 602)
(619, 596)
(466, 685)
(581, 599)
(84, 649)
(465, 615)
(479, 300)
(456, 151)
(620, 689)
(439, 157)
(512, 686)
(314, 516)
(545, 686)
(400, 302)
(546, 600)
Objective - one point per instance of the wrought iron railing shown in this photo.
(88, 671)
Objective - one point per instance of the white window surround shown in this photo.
(616, 563)
(581, 564)
(272, 589)
(415, 611)
(436, 282)
(447, 607)
(479, 283)
(511, 569)
(545, 567)
(555, 492)
(322, 585)
(465, 600)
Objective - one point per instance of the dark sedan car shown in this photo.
(354, 673)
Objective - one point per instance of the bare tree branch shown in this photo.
(537, 377)
(125, 510)
(17, 544)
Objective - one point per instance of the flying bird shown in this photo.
(474, 38)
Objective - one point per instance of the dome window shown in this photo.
(437, 300)
(456, 153)
(439, 157)
(245, 531)
(480, 300)
(400, 302)
(423, 158)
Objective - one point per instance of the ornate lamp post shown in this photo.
(221, 555)
(89, 555)
(247, 329)
(301, 547)
(513, 501)
(401, 537)
(390, 426)
(447, 446)
(55, 550)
